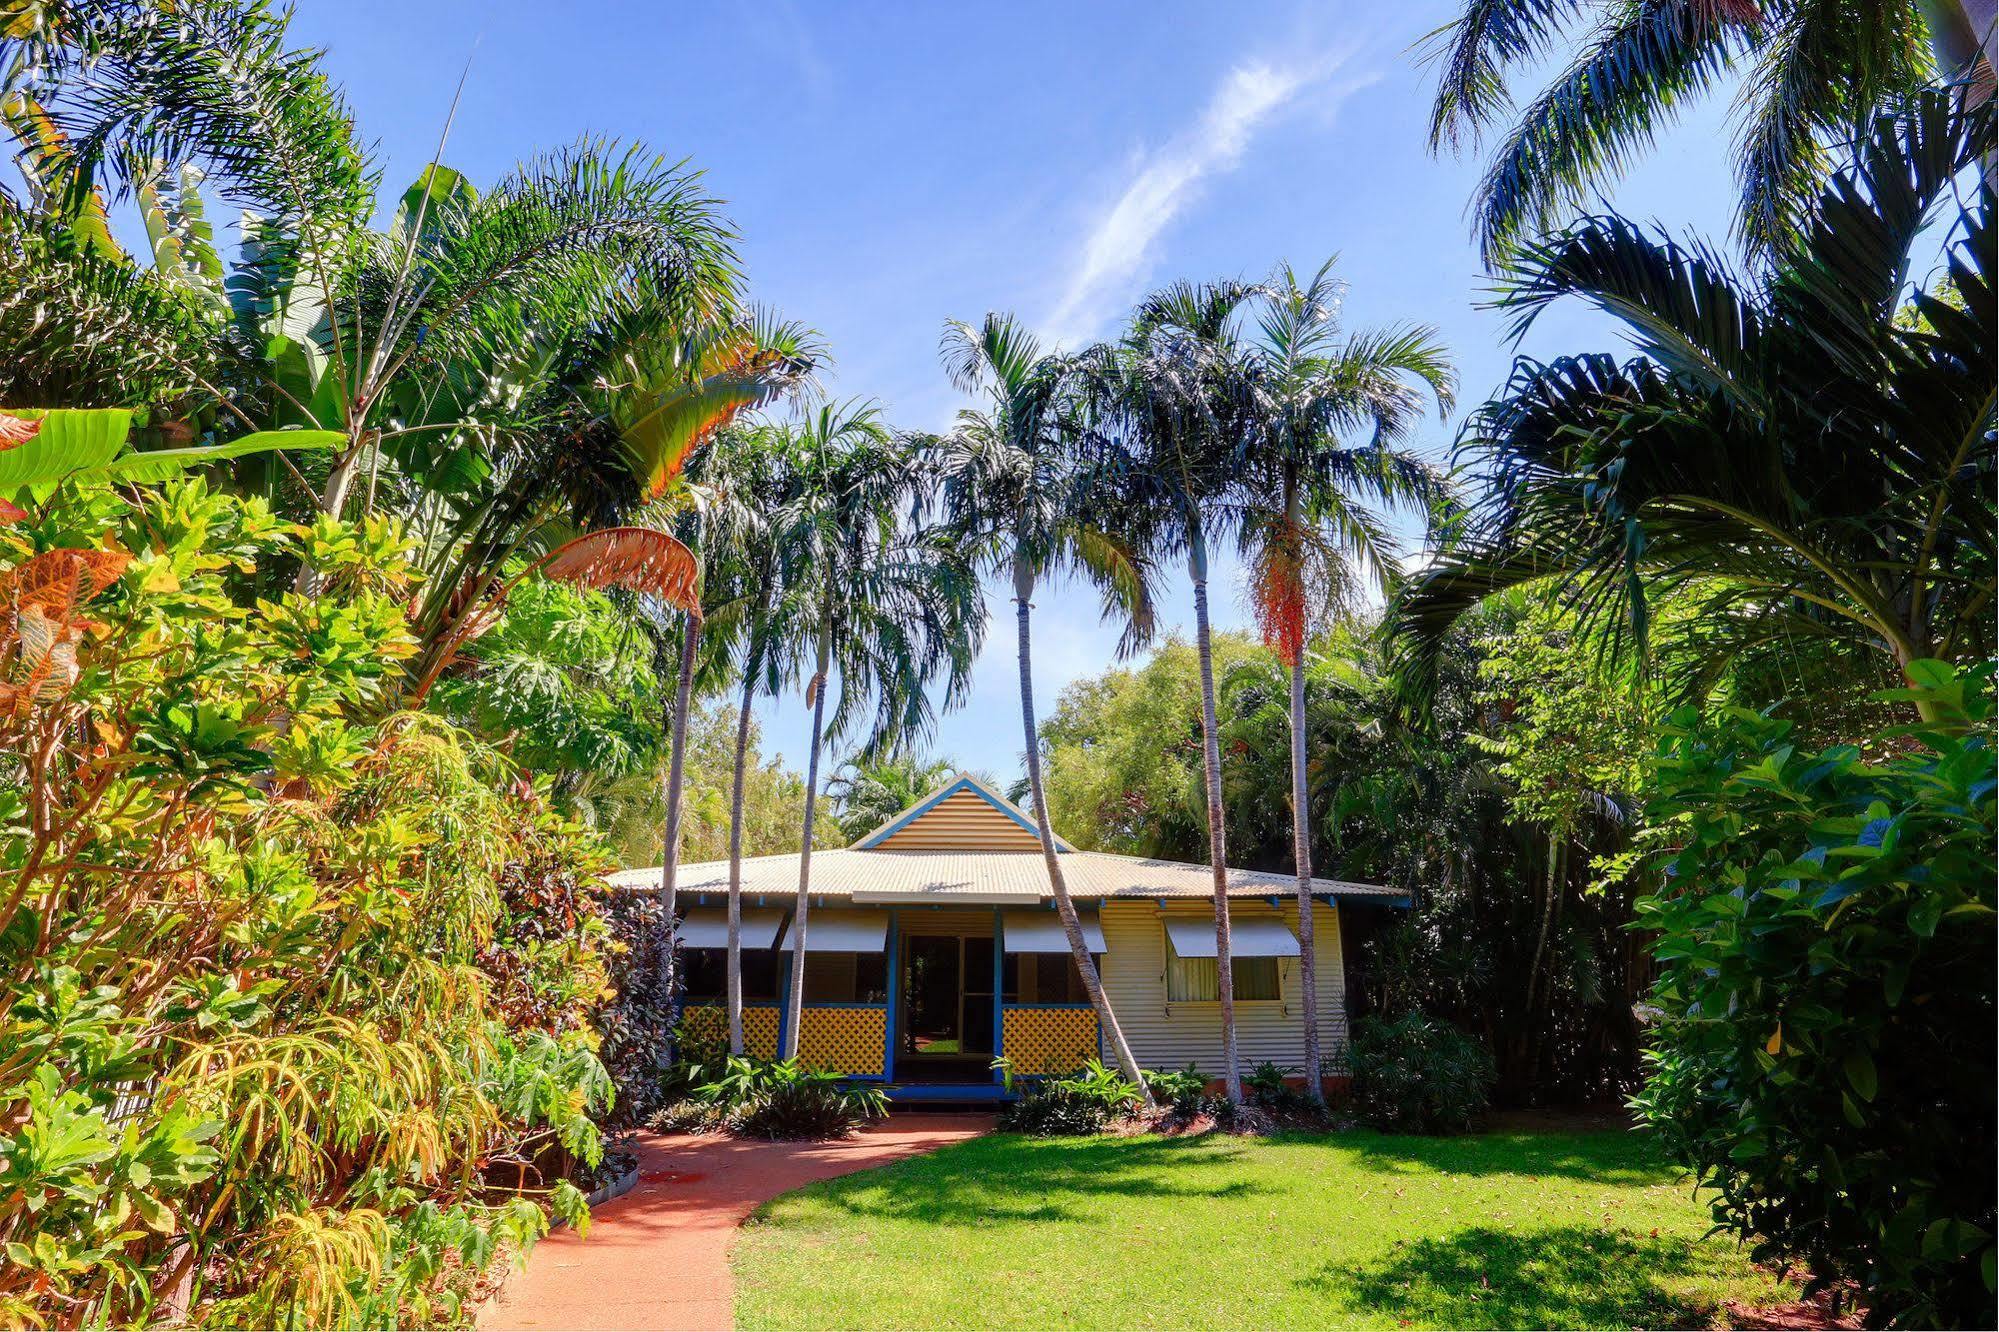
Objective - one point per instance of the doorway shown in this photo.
(944, 1029)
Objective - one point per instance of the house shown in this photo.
(933, 947)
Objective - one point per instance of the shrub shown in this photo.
(1183, 1089)
(1082, 1103)
(779, 1098)
(1824, 1054)
(1268, 1089)
(1055, 1111)
(1415, 1074)
(637, 1023)
(275, 978)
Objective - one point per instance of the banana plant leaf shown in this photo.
(90, 445)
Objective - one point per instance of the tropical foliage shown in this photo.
(763, 1098)
(1415, 1074)
(1806, 72)
(885, 603)
(1443, 809)
(290, 1024)
(869, 794)
(502, 370)
(1076, 1104)
(1785, 502)
(1810, 465)
(1823, 1055)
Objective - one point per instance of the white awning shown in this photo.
(835, 931)
(708, 927)
(1042, 932)
(1254, 936)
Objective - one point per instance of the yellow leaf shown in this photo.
(160, 577)
(1775, 1045)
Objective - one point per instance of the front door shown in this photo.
(945, 1026)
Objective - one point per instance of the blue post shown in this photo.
(783, 1004)
(894, 987)
(999, 989)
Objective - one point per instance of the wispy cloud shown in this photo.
(785, 34)
(1119, 249)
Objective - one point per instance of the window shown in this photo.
(1195, 980)
(1044, 978)
(1255, 977)
(846, 978)
(707, 974)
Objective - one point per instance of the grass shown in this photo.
(1349, 1230)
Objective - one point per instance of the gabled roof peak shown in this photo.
(963, 814)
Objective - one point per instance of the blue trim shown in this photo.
(1067, 1006)
(783, 1004)
(894, 970)
(841, 1005)
(950, 1091)
(1403, 901)
(915, 812)
(999, 992)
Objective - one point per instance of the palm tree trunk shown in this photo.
(1301, 850)
(676, 773)
(735, 966)
(1211, 762)
(1072, 926)
(1547, 915)
(1301, 853)
(794, 1007)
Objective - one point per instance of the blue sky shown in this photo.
(892, 166)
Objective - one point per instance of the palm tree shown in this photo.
(887, 603)
(418, 344)
(606, 436)
(870, 793)
(1163, 449)
(750, 475)
(1305, 386)
(1011, 489)
(1810, 71)
(1805, 456)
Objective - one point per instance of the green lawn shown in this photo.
(1349, 1230)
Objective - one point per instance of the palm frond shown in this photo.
(1685, 307)
(638, 558)
(1472, 54)
(1584, 130)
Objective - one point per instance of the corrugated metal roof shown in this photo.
(980, 878)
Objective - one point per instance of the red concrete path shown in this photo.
(659, 1256)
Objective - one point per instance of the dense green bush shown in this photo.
(1183, 1089)
(294, 987)
(1416, 1074)
(1824, 1052)
(780, 1098)
(1084, 1102)
(1267, 1088)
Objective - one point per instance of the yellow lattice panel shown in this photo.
(707, 1025)
(846, 1040)
(1048, 1040)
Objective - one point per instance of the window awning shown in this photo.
(1254, 936)
(708, 927)
(833, 931)
(1042, 932)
